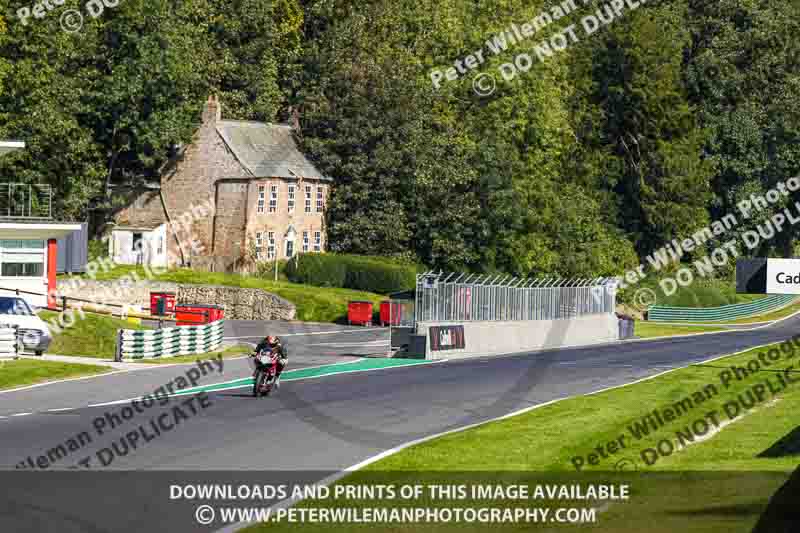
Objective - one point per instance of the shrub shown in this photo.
(321, 270)
(365, 273)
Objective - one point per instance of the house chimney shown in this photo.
(212, 112)
(294, 119)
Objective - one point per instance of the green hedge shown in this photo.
(363, 273)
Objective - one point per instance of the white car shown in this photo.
(32, 332)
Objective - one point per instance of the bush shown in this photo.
(373, 274)
(321, 270)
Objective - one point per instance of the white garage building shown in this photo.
(28, 247)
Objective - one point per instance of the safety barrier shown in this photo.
(169, 342)
(662, 313)
(9, 346)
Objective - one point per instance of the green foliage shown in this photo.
(636, 135)
(321, 270)
(98, 249)
(374, 274)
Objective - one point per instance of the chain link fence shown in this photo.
(464, 298)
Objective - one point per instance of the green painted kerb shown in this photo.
(308, 373)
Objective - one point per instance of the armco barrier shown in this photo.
(168, 342)
(661, 313)
(488, 338)
(9, 347)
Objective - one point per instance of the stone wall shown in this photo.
(239, 303)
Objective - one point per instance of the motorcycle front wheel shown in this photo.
(257, 384)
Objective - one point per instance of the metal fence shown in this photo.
(466, 298)
(24, 200)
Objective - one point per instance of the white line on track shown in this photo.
(283, 380)
(61, 410)
(232, 528)
(22, 414)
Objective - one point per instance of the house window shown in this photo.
(320, 199)
(273, 198)
(261, 198)
(136, 243)
(259, 244)
(22, 258)
(317, 241)
(305, 242)
(160, 245)
(289, 248)
(291, 198)
(271, 245)
(308, 198)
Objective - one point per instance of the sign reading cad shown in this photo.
(783, 276)
(447, 338)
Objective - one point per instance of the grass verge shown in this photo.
(228, 353)
(91, 336)
(648, 330)
(314, 304)
(727, 446)
(23, 372)
(546, 439)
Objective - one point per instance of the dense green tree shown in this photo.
(742, 75)
(639, 137)
(631, 137)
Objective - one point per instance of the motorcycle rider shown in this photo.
(273, 343)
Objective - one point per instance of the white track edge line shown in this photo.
(339, 475)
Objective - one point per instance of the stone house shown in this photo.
(240, 192)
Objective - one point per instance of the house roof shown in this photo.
(136, 227)
(267, 150)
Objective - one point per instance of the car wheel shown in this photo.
(39, 352)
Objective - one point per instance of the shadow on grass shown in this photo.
(783, 513)
(731, 511)
(787, 446)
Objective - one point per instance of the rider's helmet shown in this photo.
(272, 340)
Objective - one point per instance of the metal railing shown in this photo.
(466, 298)
(25, 200)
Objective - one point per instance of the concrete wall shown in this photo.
(496, 338)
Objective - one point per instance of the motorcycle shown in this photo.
(266, 370)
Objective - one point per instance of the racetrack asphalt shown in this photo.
(333, 422)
